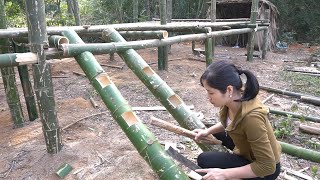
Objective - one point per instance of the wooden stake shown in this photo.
(182, 131)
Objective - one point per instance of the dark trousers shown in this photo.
(226, 160)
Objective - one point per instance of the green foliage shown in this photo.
(15, 15)
(314, 171)
(299, 18)
(302, 83)
(284, 127)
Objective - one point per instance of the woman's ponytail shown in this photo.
(251, 87)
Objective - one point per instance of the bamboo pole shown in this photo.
(309, 129)
(264, 44)
(26, 85)
(209, 20)
(213, 17)
(42, 75)
(253, 20)
(190, 26)
(144, 141)
(284, 113)
(300, 152)
(9, 79)
(56, 41)
(134, 35)
(163, 50)
(210, 139)
(171, 101)
(209, 49)
(303, 97)
(103, 48)
(135, 8)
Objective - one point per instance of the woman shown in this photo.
(244, 127)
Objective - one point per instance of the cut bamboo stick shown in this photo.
(155, 108)
(309, 129)
(182, 131)
(112, 66)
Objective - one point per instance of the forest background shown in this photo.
(297, 21)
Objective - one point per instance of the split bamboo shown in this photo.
(300, 152)
(171, 101)
(26, 85)
(104, 48)
(144, 141)
(251, 36)
(284, 113)
(42, 75)
(303, 97)
(9, 79)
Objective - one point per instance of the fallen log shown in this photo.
(182, 131)
(309, 129)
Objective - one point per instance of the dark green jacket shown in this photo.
(253, 136)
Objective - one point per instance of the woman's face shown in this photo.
(215, 96)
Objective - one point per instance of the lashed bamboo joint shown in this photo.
(103, 80)
(130, 118)
(148, 71)
(175, 101)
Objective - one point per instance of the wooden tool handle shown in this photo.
(182, 131)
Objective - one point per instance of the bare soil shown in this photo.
(97, 148)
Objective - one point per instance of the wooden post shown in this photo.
(264, 44)
(8, 76)
(163, 51)
(213, 17)
(208, 48)
(26, 85)
(42, 75)
(251, 36)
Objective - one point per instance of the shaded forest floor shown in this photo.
(23, 152)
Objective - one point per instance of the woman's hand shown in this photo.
(200, 133)
(213, 174)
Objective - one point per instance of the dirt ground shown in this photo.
(97, 148)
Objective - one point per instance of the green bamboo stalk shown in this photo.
(300, 152)
(9, 79)
(171, 101)
(26, 86)
(303, 97)
(163, 51)
(251, 36)
(209, 49)
(55, 41)
(144, 141)
(285, 113)
(42, 75)
(104, 48)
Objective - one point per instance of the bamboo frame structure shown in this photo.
(171, 101)
(9, 79)
(144, 141)
(42, 75)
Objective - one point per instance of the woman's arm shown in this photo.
(211, 130)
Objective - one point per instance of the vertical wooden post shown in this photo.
(42, 74)
(264, 43)
(26, 85)
(213, 17)
(163, 51)
(135, 10)
(8, 76)
(208, 48)
(251, 36)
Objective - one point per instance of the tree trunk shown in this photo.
(70, 8)
(143, 140)
(8, 76)
(135, 10)
(42, 75)
(148, 10)
(76, 12)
